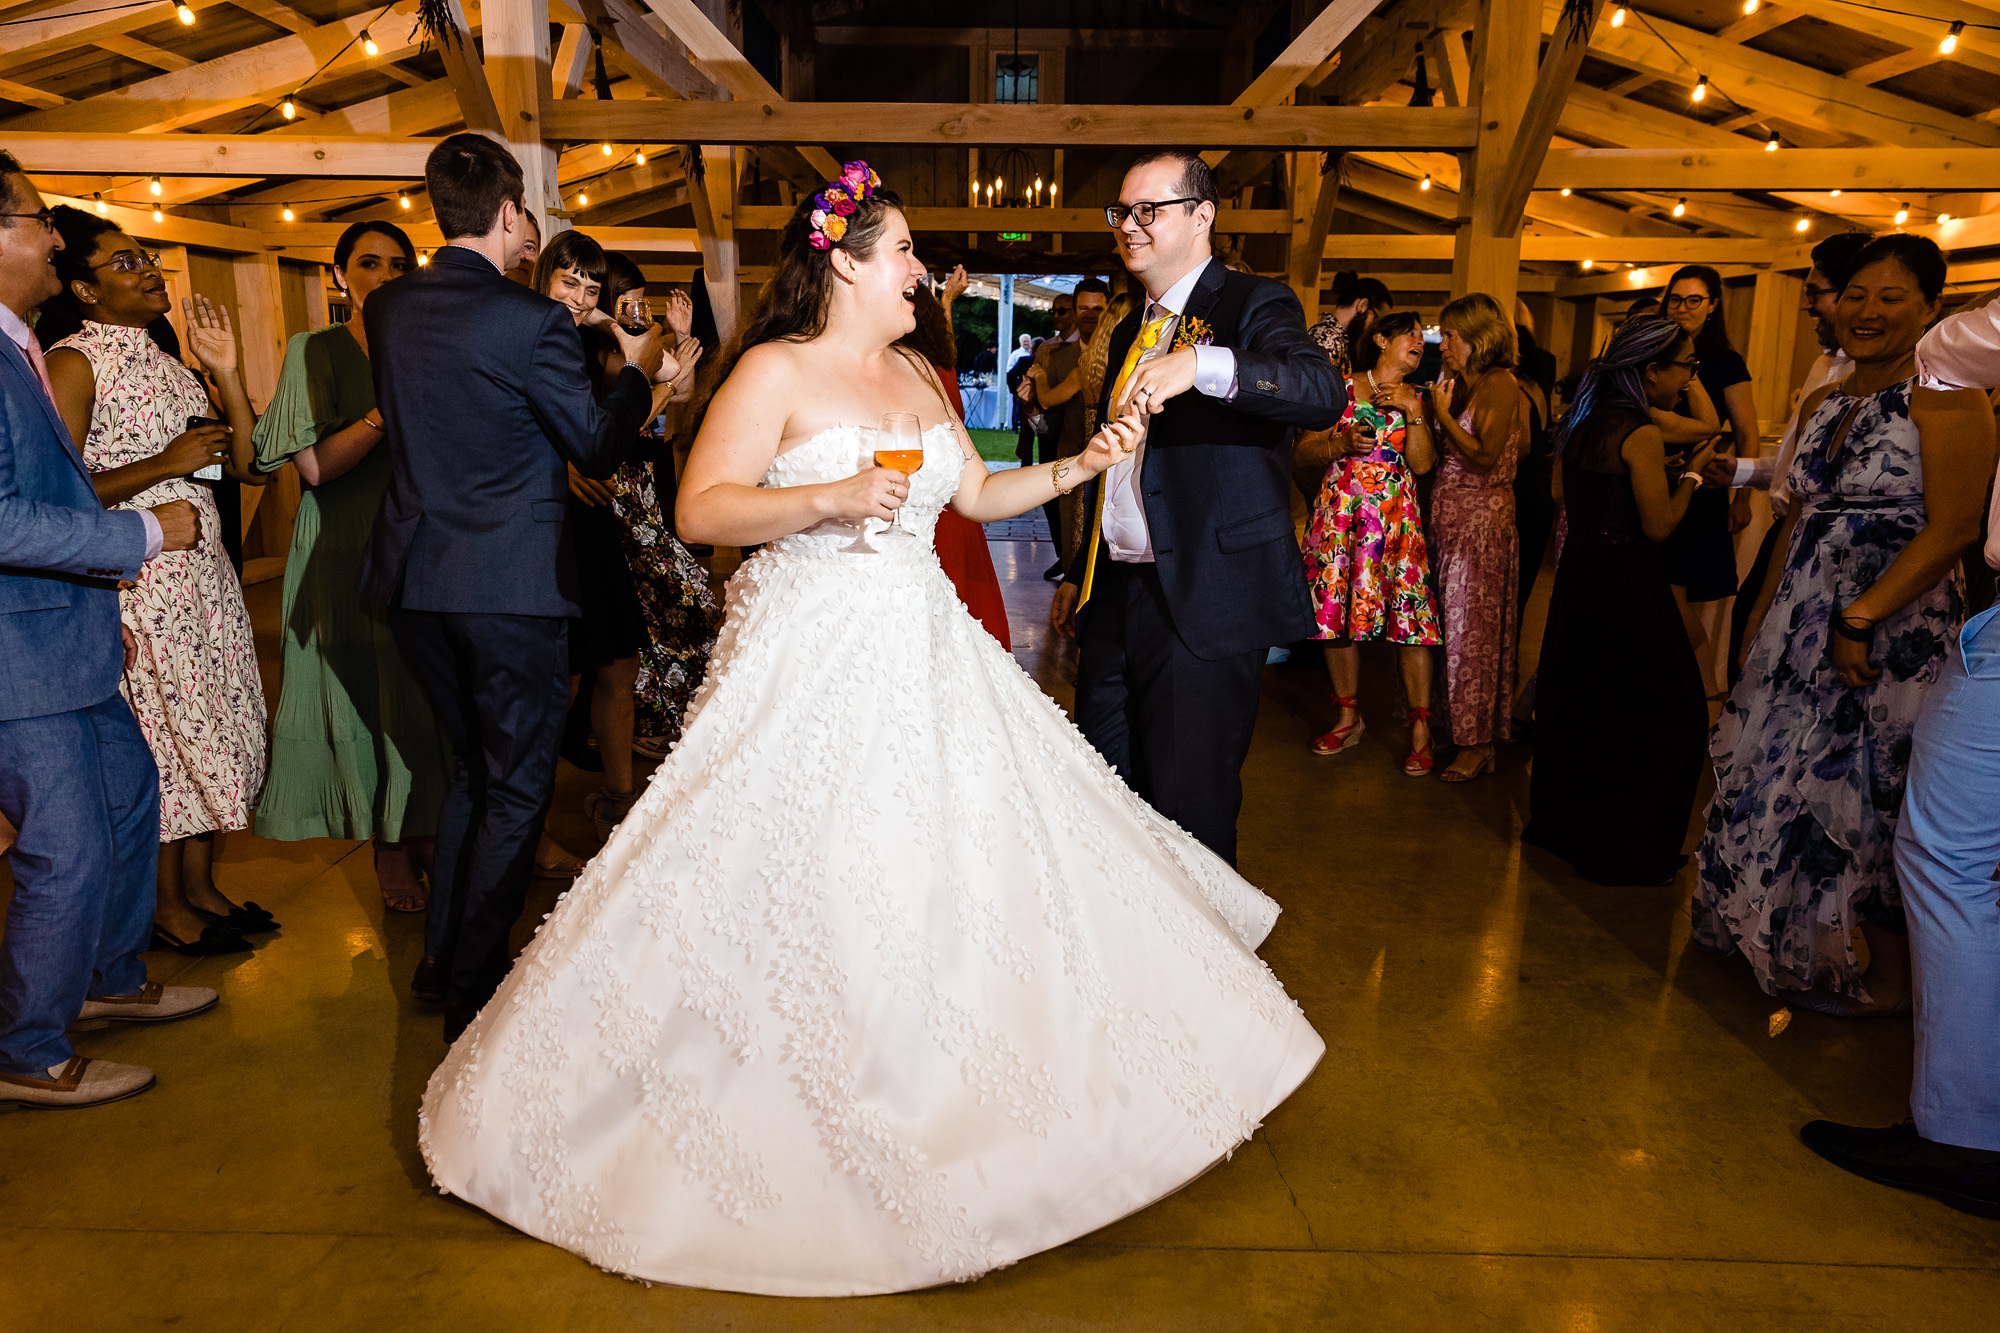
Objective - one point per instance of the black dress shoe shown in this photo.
(428, 984)
(249, 919)
(1964, 1178)
(1054, 573)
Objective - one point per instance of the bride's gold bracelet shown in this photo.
(1055, 476)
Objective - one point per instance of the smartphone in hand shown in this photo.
(213, 472)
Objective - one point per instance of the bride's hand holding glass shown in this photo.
(874, 492)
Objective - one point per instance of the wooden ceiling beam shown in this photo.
(1575, 249)
(257, 74)
(1782, 88)
(953, 123)
(1557, 71)
(716, 56)
(1002, 39)
(466, 72)
(1977, 49)
(144, 52)
(77, 23)
(1385, 58)
(28, 95)
(221, 154)
(1930, 170)
(1304, 54)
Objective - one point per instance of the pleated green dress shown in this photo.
(355, 751)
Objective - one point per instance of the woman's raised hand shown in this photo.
(210, 338)
(955, 284)
(679, 312)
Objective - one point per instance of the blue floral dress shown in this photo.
(1809, 774)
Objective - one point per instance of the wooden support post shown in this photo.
(712, 191)
(1774, 334)
(518, 68)
(1486, 256)
(260, 334)
(1314, 196)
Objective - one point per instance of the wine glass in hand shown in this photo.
(634, 315)
(900, 447)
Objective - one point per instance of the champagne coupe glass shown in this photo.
(900, 446)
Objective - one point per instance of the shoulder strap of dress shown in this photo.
(937, 387)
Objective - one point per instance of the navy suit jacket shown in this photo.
(61, 557)
(485, 393)
(1216, 476)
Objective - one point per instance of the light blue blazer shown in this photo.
(61, 557)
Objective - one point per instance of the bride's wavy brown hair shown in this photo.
(793, 305)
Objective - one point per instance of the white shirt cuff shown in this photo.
(155, 538)
(1746, 472)
(1215, 372)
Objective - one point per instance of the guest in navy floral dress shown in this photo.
(1848, 635)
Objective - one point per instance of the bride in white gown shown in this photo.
(887, 980)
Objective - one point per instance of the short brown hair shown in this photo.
(1197, 181)
(469, 177)
(1476, 318)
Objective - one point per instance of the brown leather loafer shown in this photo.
(153, 1004)
(82, 1082)
(428, 984)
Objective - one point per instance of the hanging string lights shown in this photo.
(368, 45)
(1618, 17)
(1950, 42)
(1902, 214)
(1700, 93)
(1680, 208)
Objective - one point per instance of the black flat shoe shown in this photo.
(1962, 1178)
(249, 919)
(214, 940)
(1054, 573)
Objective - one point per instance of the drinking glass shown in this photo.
(900, 446)
(634, 315)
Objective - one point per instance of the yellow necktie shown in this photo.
(1149, 338)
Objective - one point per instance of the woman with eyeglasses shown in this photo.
(1614, 655)
(355, 751)
(193, 681)
(1850, 630)
(1701, 555)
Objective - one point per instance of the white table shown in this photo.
(986, 409)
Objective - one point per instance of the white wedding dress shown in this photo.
(886, 981)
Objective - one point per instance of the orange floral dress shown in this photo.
(1366, 559)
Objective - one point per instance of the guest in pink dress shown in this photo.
(1472, 524)
(193, 679)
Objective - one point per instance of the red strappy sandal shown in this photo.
(1418, 765)
(1341, 738)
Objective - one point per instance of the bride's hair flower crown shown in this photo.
(837, 202)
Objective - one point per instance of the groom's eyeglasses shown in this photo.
(1142, 212)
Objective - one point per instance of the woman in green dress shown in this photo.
(355, 752)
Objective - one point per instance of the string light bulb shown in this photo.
(289, 110)
(605, 148)
(1902, 214)
(1680, 208)
(423, 258)
(403, 198)
(1618, 17)
(1589, 264)
(639, 158)
(185, 15)
(368, 45)
(98, 198)
(1565, 191)
(289, 215)
(582, 199)
(158, 216)
(1771, 144)
(1700, 93)
(1750, 7)
(1425, 183)
(154, 186)
(1944, 219)
(1950, 42)
(1802, 225)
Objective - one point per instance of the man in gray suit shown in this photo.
(76, 777)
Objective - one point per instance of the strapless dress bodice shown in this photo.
(839, 452)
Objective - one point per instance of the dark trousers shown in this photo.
(82, 789)
(499, 685)
(1176, 727)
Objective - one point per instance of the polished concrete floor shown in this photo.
(1540, 1110)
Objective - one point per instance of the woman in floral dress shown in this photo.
(1472, 526)
(193, 681)
(1849, 633)
(1365, 554)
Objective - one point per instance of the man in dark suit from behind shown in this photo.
(1189, 571)
(485, 396)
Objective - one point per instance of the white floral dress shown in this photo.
(194, 683)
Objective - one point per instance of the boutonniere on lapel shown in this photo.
(1193, 332)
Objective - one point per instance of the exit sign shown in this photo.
(1014, 236)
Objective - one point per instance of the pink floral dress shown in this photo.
(1366, 558)
(194, 684)
(1478, 557)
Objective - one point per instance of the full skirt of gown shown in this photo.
(887, 981)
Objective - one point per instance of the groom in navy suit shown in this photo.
(485, 395)
(76, 777)
(1191, 571)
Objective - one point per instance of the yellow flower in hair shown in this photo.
(833, 194)
(836, 227)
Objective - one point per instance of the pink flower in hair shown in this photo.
(842, 207)
(818, 219)
(819, 241)
(856, 176)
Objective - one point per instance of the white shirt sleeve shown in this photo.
(1215, 372)
(1962, 352)
(155, 539)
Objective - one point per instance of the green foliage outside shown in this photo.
(995, 446)
(975, 323)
